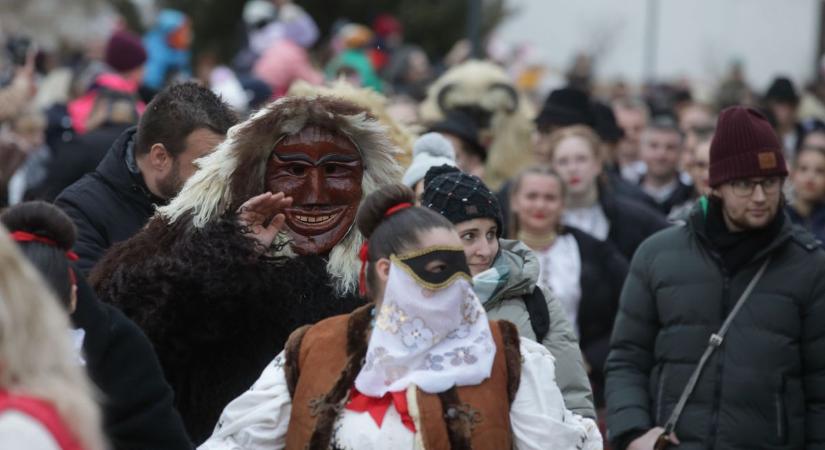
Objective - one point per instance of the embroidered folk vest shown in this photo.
(323, 360)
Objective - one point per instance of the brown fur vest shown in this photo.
(332, 352)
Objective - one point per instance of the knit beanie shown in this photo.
(430, 150)
(124, 52)
(459, 197)
(744, 146)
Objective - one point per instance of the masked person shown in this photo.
(505, 277)
(259, 242)
(418, 367)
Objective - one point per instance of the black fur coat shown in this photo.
(215, 312)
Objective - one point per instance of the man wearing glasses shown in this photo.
(757, 381)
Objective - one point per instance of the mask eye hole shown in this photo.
(436, 266)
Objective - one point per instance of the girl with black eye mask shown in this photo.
(505, 277)
(420, 366)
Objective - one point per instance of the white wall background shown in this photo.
(697, 39)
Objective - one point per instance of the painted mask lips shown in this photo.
(314, 220)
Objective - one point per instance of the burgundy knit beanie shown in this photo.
(124, 52)
(744, 146)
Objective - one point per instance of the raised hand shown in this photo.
(263, 216)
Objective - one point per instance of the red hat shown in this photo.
(744, 146)
(124, 52)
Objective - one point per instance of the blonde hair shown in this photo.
(579, 131)
(36, 357)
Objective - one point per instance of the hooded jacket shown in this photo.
(507, 303)
(764, 387)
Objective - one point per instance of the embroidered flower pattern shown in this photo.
(469, 311)
(460, 333)
(433, 362)
(390, 318)
(377, 355)
(415, 334)
(393, 372)
(461, 355)
(484, 339)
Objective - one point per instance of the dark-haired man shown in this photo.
(146, 166)
(662, 145)
(762, 384)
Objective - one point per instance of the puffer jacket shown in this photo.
(764, 388)
(507, 303)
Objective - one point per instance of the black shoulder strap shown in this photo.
(539, 314)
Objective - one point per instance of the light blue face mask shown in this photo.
(485, 284)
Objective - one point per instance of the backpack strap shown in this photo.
(539, 314)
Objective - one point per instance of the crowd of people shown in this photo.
(339, 244)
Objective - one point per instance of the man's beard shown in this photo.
(169, 186)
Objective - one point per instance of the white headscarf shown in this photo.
(435, 339)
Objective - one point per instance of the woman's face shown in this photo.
(576, 163)
(441, 237)
(538, 203)
(808, 176)
(479, 237)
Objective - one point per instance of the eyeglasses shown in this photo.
(745, 188)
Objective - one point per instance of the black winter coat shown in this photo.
(764, 388)
(137, 401)
(681, 195)
(109, 205)
(75, 158)
(603, 271)
(631, 222)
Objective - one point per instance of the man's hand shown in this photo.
(263, 216)
(648, 440)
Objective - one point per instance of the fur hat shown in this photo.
(430, 150)
(234, 172)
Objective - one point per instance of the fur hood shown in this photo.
(235, 172)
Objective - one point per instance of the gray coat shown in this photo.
(507, 304)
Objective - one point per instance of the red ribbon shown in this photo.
(363, 253)
(397, 208)
(24, 236)
(377, 406)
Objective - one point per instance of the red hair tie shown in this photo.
(24, 236)
(397, 208)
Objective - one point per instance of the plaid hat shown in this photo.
(744, 146)
(124, 52)
(459, 197)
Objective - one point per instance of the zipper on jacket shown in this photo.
(717, 389)
(781, 420)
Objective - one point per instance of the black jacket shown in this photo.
(764, 388)
(137, 401)
(631, 222)
(603, 271)
(75, 158)
(681, 195)
(109, 205)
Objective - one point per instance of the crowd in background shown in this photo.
(590, 172)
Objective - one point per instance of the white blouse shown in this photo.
(591, 220)
(561, 268)
(258, 419)
(20, 431)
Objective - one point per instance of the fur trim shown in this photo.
(327, 408)
(376, 103)
(509, 151)
(460, 420)
(512, 356)
(292, 352)
(235, 171)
